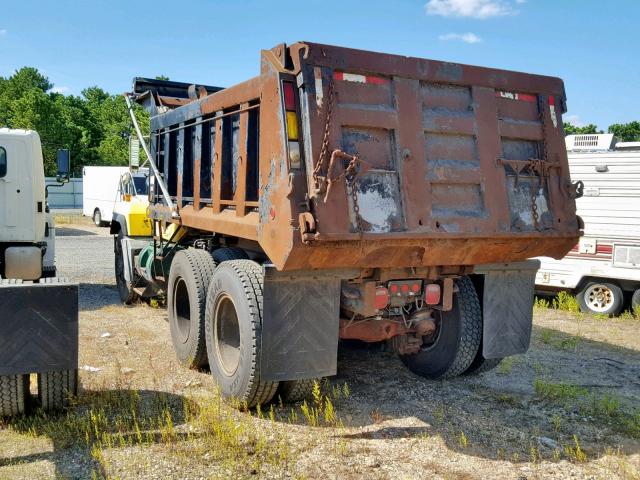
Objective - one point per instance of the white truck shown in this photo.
(604, 266)
(99, 192)
(103, 186)
(38, 312)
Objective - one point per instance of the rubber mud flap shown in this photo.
(507, 307)
(38, 327)
(299, 325)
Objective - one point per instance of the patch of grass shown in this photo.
(100, 421)
(575, 452)
(566, 302)
(541, 303)
(557, 422)
(506, 365)
(562, 342)
(630, 315)
(463, 440)
(561, 392)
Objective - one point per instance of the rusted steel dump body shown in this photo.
(434, 163)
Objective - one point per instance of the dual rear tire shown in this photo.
(456, 347)
(55, 389)
(215, 318)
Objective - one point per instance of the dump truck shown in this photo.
(347, 194)
(38, 310)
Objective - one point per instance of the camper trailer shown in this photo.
(603, 269)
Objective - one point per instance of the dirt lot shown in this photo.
(570, 408)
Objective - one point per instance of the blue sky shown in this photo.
(592, 45)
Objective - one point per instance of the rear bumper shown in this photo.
(398, 251)
(38, 327)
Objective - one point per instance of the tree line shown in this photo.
(625, 132)
(94, 126)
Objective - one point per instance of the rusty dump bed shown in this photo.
(341, 158)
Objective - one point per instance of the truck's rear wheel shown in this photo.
(97, 218)
(125, 286)
(14, 393)
(189, 278)
(635, 300)
(234, 330)
(450, 351)
(229, 253)
(601, 298)
(55, 388)
(292, 391)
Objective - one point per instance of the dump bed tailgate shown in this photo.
(424, 148)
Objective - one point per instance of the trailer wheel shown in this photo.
(125, 287)
(55, 388)
(635, 300)
(292, 391)
(234, 330)
(229, 253)
(189, 278)
(601, 298)
(450, 351)
(14, 394)
(97, 218)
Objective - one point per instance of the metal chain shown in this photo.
(322, 159)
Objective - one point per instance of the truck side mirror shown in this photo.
(63, 161)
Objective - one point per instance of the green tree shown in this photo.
(626, 132)
(570, 129)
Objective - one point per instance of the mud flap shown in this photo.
(38, 327)
(300, 319)
(507, 307)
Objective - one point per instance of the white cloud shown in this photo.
(574, 120)
(463, 37)
(59, 89)
(3, 32)
(469, 8)
(520, 2)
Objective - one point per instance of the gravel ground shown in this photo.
(513, 422)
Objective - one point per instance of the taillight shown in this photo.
(382, 298)
(432, 294)
(291, 120)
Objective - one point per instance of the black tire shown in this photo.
(457, 340)
(602, 298)
(229, 253)
(635, 300)
(125, 287)
(481, 365)
(234, 330)
(56, 388)
(292, 391)
(14, 394)
(189, 278)
(97, 218)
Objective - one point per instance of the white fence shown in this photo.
(67, 196)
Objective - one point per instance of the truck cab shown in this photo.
(38, 312)
(25, 225)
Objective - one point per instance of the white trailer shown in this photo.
(606, 262)
(100, 192)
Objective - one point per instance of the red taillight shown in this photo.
(382, 298)
(432, 294)
(289, 96)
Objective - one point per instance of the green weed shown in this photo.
(566, 302)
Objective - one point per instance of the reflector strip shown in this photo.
(523, 97)
(552, 110)
(354, 77)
